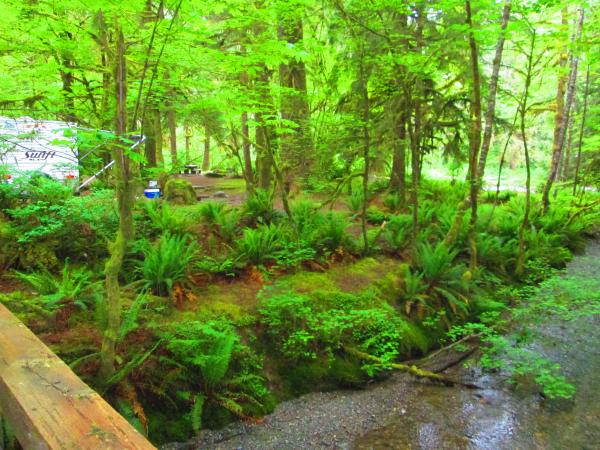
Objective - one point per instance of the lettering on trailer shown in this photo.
(40, 155)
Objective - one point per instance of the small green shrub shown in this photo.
(304, 328)
(33, 188)
(293, 254)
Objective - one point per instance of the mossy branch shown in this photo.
(412, 369)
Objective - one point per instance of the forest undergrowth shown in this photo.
(229, 310)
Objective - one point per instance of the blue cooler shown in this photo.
(152, 193)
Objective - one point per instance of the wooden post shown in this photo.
(47, 405)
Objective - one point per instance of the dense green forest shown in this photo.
(378, 179)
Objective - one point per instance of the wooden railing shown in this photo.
(47, 405)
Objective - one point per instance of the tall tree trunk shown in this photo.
(188, 142)
(264, 160)
(264, 132)
(158, 137)
(398, 174)
(581, 130)
(562, 108)
(491, 100)
(172, 125)
(125, 231)
(297, 149)
(149, 130)
(206, 155)
(520, 265)
(248, 173)
(566, 163)
(366, 147)
(414, 133)
(474, 137)
(66, 75)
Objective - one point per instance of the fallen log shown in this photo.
(411, 369)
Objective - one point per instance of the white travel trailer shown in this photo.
(41, 146)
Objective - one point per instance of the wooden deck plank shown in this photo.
(47, 405)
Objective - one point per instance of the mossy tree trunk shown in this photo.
(125, 197)
(474, 137)
(364, 88)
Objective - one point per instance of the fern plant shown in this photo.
(396, 233)
(258, 207)
(355, 201)
(257, 246)
(72, 285)
(210, 211)
(167, 262)
(205, 350)
(332, 233)
(161, 216)
(446, 282)
(227, 224)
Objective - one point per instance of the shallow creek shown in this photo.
(404, 413)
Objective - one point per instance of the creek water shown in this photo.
(499, 417)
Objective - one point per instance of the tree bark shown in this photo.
(474, 137)
(206, 155)
(172, 125)
(264, 161)
(296, 146)
(366, 147)
(125, 231)
(562, 108)
(158, 137)
(249, 175)
(520, 265)
(566, 163)
(188, 142)
(150, 144)
(581, 130)
(491, 101)
(398, 174)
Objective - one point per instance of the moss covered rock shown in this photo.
(180, 191)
